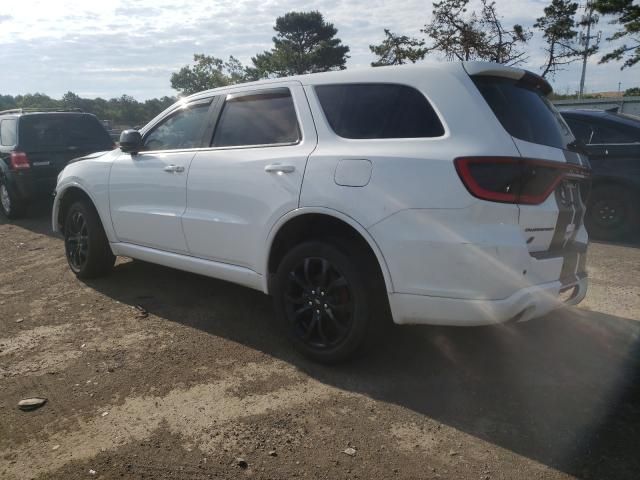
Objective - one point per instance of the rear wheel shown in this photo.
(325, 294)
(611, 214)
(11, 207)
(86, 245)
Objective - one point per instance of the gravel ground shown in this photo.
(205, 379)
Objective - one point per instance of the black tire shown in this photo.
(327, 295)
(85, 243)
(11, 206)
(611, 213)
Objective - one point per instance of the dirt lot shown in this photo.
(206, 378)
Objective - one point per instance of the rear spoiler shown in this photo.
(496, 70)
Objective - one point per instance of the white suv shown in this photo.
(447, 194)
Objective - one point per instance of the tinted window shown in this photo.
(613, 132)
(524, 112)
(257, 119)
(378, 111)
(8, 132)
(183, 129)
(581, 130)
(63, 131)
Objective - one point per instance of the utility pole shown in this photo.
(590, 18)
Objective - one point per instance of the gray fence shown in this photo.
(629, 105)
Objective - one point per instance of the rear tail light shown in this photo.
(514, 179)
(19, 161)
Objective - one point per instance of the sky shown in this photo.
(108, 48)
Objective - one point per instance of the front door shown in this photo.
(148, 190)
(251, 175)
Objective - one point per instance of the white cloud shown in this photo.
(111, 48)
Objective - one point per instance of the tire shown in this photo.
(11, 207)
(328, 316)
(85, 243)
(611, 213)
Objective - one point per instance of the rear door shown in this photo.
(555, 227)
(50, 140)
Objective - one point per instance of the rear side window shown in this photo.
(524, 112)
(8, 132)
(378, 111)
(63, 131)
(614, 132)
(267, 118)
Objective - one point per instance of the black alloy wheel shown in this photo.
(85, 242)
(76, 241)
(330, 298)
(319, 303)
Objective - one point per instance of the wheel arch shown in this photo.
(64, 199)
(302, 224)
(606, 181)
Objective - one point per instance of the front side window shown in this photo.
(8, 132)
(371, 110)
(183, 129)
(261, 118)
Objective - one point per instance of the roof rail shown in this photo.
(33, 110)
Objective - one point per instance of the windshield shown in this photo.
(62, 131)
(524, 112)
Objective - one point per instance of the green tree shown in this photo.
(397, 50)
(304, 43)
(558, 30)
(461, 35)
(208, 72)
(501, 44)
(632, 92)
(627, 13)
(454, 32)
(36, 100)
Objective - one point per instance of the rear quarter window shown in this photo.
(8, 132)
(367, 111)
(524, 112)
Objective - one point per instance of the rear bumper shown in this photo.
(525, 304)
(27, 186)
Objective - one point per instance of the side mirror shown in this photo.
(131, 141)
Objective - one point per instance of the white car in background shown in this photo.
(446, 194)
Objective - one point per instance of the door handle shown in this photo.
(174, 169)
(278, 168)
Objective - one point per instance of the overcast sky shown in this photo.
(111, 47)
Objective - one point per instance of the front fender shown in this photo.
(91, 176)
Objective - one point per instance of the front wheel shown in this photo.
(611, 213)
(324, 295)
(86, 246)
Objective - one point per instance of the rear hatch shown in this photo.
(553, 178)
(50, 140)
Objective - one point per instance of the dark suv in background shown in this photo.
(35, 145)
(612, 142)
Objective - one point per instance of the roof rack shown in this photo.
(33, 110)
